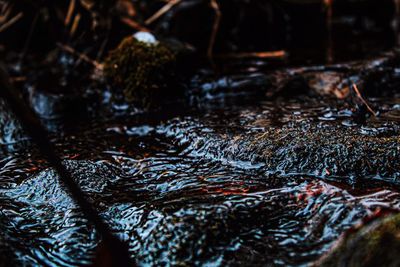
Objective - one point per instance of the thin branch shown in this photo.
(70, 12)
(5, 12)
(81, 56)
(134, 25)
(9, 23)
(358, 93)
(329, 13)
(75, 24)
(217, 20)
(162, 11)
(18, 79)
(87, 4)
(260, 55)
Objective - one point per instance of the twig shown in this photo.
(328, 5)
(70, 12)
(5, 12)
(75, 24)
(87, 4)
(329, 13)
(217, 19)
(134, 25)
(18, 79)
(358, 93)
(9, 23)
(162, 11)
(81, 56)
(268, 54)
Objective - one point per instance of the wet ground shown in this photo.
(265, 182)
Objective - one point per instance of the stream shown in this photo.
(233, 184)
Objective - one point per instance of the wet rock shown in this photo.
(376, 76)
(50, 105)
(376, 244)
(287, 226)
(45, 187)
(319, 143)
(10, 128)
(59, 87)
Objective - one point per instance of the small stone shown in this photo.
(146, 37)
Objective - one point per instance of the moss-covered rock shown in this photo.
(377, 244)
(304, 144)
(144, 72)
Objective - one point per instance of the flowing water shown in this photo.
(193, 189)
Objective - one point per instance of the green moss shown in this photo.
(141, 71)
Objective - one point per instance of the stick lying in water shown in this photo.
(118, 250)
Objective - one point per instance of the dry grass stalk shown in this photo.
(358, 93)
(75, 24)
(214, 32)
(80, 55)
(134, 25)
(11, 22)
(5, 11)
(162, 11)
(260, 55)
(70, 12)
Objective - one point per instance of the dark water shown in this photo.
(180, 192)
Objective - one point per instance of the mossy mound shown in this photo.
(375, 245)
(291, 144)
(143, 72)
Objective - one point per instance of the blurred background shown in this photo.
(313, 31)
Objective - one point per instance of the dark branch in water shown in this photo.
(33, 126)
